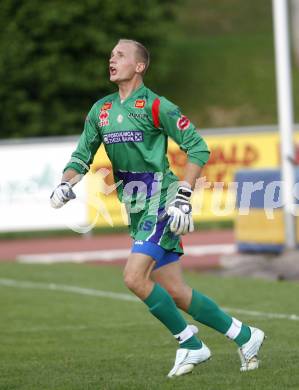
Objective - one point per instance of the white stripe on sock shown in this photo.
(234, 329)
(184, 335)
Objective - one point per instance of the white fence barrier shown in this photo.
(29, 172)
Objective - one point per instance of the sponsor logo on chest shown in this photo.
(106, 106)
(137, 115)
(103, 116)
(123, 137)
(139, 103)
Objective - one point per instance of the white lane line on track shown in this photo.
(66, 288)
(253, 313)
(125, 297)
(67, 328)
(108, 255)
(74, 257)
(34, 329)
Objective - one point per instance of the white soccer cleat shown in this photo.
(186, 359)
(249, 351)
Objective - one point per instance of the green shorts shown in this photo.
(146, 227)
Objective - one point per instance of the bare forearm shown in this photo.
(71, 176)
(192, 173)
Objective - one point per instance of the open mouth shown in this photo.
(112, 70)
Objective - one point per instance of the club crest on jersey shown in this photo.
(119, 118)
(104, 121)
(106, 106)
(183, 123)
(139, 103)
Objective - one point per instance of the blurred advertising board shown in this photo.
(29, 172)
(31, 169)
(262, 229)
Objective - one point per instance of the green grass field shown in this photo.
(53, 339)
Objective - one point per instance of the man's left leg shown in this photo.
(206, 311)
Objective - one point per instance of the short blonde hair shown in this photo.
(141, 51)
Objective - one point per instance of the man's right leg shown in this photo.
(162, 306)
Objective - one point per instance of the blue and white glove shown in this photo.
(61, 195)
(180, 211)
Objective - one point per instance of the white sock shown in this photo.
(184, 335)
(234, 329)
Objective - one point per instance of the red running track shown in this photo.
(11, 249)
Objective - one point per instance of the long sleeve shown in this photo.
(183, 132)
(89, 143)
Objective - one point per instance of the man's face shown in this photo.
(123, 63)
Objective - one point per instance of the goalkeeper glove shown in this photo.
(61, 195)
(180, 211)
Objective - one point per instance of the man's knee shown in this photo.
(135, 273)
(132, 279)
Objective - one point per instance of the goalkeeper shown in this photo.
(134, 124)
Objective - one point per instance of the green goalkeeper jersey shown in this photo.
(135, 133)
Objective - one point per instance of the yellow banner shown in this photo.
(229, 153)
